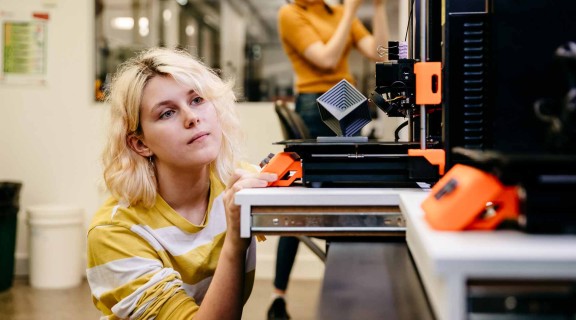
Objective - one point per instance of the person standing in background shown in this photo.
(317, 38)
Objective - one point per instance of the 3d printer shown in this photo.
(508, 108)
(351, 160)
(508, 112)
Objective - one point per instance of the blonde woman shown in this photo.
(166, 244)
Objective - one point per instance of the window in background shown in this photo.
(124, 27)
(237, 37)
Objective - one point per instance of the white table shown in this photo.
(369, 273)
(446, 261)
(325, 211)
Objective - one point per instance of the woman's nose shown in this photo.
(191, 118)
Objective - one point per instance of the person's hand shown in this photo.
(241, 179)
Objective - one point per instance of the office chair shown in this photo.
(293, 127)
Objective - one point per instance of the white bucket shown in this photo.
(56, 240)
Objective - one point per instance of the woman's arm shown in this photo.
(368, 45)
(224, 298)
(328, 55)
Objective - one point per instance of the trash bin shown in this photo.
(56, 241)
(9, 206)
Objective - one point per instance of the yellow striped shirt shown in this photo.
(153, 263)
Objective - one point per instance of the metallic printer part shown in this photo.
(330, 212)
(327, 220)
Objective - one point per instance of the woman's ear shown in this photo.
(138, 146)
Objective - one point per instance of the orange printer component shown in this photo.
(286, 165)
(428, 82)
(467, 198)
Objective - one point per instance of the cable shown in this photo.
(409, 19)
(396, 98)
(397, 131)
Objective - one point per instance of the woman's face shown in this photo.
(180, 128)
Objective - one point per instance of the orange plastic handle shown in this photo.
(287, 166)
(428, 82)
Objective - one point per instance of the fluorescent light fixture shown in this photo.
(190, 30)
(167, 15)
(144, 31)
(143, 24)
(122, 23)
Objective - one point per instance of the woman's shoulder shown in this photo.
(115, 212)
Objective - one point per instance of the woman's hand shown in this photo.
(241, 179)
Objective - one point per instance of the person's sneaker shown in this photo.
(277, 310)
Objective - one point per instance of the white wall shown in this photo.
(232, 42)
(50, 135)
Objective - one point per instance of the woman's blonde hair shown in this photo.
(128, 175)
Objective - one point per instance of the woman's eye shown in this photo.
(197, 100)
(166, 114)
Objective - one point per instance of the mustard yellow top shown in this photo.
(301, 25)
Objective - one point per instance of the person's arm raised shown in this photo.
(328, 55)
(368, 45)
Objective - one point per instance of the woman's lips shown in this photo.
(198, 136)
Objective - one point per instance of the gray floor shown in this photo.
(21, 302)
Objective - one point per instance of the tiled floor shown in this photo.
(21, 302)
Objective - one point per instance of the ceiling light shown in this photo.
(190, 30)
(122, 23)
(167, 15)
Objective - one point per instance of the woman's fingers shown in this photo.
(242, 179)
(237, 175)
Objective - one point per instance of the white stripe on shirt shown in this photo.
(125, 306)
(116, 273)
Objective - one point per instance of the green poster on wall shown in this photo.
(23, 51)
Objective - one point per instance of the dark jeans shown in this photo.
(307, 107)
(287, 249)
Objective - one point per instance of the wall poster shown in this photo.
(23, 48)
